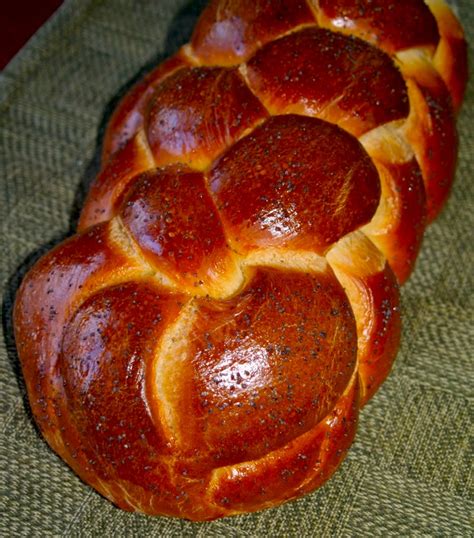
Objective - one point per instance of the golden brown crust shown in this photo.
(400, 222)
(128, 117)
(450, 59)
(230, 31)
(119, 171)
(197, 113)
(372, 289)
(319, 73)
(308, 184)
(391, 25)
(203, 345)
(293, 470)
(431, 130)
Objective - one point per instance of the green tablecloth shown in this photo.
(410, 470)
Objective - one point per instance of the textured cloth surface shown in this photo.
(409, 472)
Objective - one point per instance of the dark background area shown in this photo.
(19, 20)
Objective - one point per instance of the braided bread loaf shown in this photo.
(203, 345)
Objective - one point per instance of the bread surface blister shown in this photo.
(204, 343)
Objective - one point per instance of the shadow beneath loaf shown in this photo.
(178, 34)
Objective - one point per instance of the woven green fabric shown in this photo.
(410, 470)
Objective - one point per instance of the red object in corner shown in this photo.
(19, 20)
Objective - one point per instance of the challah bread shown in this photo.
(203, 345)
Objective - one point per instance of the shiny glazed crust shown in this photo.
(203, 345)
